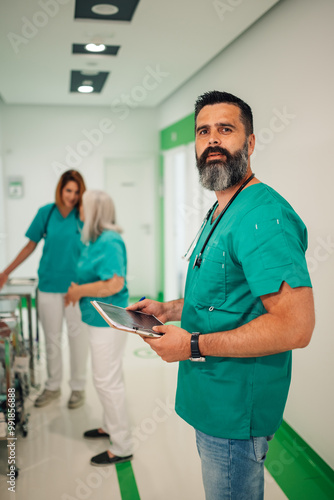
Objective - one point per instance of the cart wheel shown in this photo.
(24, 425)
(16, 472)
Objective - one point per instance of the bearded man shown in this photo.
(248, 302)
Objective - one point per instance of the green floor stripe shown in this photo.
(127, 481)
(298, 469)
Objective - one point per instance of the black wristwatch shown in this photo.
(195, 352)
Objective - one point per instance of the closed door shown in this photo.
(131, 182)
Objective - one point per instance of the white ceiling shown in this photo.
(175, 37)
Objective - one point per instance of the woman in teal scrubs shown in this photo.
(59, 224)
(102, 276)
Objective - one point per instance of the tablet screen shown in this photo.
(134, 320)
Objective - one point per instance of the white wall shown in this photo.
(39, 143)
(283, 66)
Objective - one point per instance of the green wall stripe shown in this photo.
(127, 481)
(297, 468)
(181, 132)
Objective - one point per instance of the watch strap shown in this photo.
(194, 346)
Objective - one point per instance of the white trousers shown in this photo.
(52, 311)
(107, 348)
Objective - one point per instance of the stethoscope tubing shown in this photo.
(198, 259)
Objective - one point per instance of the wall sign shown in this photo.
(15, 187)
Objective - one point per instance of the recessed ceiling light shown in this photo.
(104, 9)
(93, 47)
(89, 72)
(85, 89)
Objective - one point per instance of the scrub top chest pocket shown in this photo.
(209, 280)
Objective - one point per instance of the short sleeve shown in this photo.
(112, 260)
(36, 229)
(270, 246)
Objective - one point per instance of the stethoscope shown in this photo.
(78, 230)
(198, 259)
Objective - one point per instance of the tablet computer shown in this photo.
(129, 321)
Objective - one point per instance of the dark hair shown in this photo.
(217, 97)
(70, 175)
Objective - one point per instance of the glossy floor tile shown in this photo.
(54, 458)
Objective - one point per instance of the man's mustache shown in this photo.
(215, 149)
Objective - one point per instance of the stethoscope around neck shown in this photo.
(198, 259)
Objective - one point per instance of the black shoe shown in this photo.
(94, 433)
(103, 459)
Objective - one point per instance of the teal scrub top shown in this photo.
(259, 243)
(62, 247)
(99, 261)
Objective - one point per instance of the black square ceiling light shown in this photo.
(89, 78)
(114, 10)
(110, 50)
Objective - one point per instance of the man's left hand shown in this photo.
(174, 345)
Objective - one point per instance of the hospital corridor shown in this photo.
(166, 250)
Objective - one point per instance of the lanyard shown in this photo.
(198, 260)
(190, 250)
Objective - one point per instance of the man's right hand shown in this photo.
(158, 309)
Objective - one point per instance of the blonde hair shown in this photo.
(68, 176)
(99, 213)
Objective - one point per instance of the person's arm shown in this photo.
(21, 257)
(164, 311)
(288, 324)
(96, 289)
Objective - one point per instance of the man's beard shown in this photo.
(219, 175)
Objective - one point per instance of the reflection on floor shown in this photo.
(54, 458)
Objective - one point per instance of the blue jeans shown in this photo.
(232, 469)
